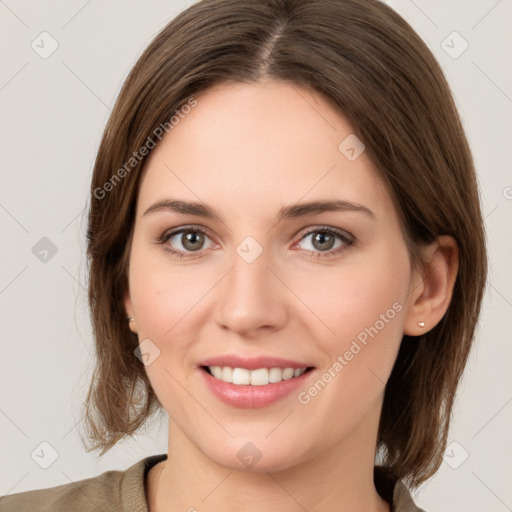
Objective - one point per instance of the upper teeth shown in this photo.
(259, 377)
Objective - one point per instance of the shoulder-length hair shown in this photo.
(371, 66)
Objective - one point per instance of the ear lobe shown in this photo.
(433, 290)
(130, 316)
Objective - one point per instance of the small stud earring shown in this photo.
(130, 319)
(421, 324)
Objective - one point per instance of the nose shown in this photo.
(252, 299)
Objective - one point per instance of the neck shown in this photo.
(338, 479)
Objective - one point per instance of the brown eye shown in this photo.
(186, 240)
(192, 240)
(325, 240)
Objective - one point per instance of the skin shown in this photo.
(248, 150)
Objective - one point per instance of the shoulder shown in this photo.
(112, 490)
(395, 493)
(84, 495)
(402, 500)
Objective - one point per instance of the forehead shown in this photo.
(254, 146)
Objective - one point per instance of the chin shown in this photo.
(257, 456)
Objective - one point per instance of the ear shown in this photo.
(432, 287)
(129, 313)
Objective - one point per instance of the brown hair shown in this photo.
(371, 66)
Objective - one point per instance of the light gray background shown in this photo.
(53, 112)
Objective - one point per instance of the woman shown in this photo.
(287, 255)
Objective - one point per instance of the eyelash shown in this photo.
(347, 239)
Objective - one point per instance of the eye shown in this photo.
(325, 241)
(186, 240)
(320, 242)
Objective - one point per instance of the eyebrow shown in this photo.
(287, 212)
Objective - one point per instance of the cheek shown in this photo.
(363, 306)
(165, 298)
(353, 295)
(163, 294)
(362, 302)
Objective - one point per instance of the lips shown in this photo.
(255, 382)
(251, 396)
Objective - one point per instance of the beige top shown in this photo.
(123, 491)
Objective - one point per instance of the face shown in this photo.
(321, 287)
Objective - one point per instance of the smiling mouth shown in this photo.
(257, 377)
